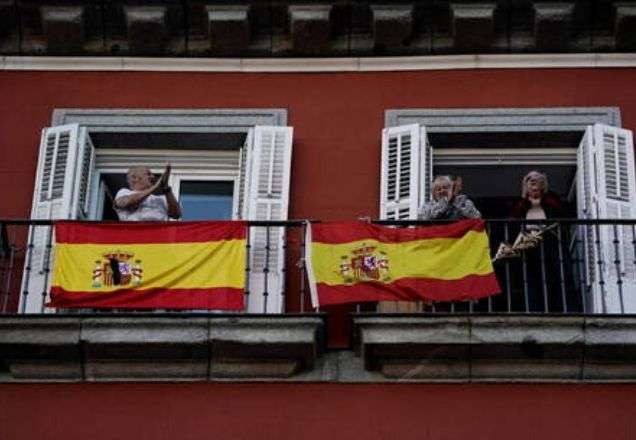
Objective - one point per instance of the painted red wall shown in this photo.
(316, 411)
(337, 119)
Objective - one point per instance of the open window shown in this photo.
(248, 179)
(596, 179)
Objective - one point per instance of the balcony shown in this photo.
(565, 313)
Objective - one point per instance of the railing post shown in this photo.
(524, 274)
(27, 270)
(47, 266)
(8, 277)
(617, 265)
(248, 248)
(599, 262)
(544, 284)
(301, 265)
(508, 293)
(266, 270)
(283, 268)
(488, 235)
(562, 268)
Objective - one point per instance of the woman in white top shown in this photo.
(140, 204)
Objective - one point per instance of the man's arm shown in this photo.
(133, 199)
(174, 209)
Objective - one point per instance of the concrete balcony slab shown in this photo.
(40, 348)
(159, 348)
(498, 348)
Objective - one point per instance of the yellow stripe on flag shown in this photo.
(438, 258)
(163, 265)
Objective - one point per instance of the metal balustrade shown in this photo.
(580, 266)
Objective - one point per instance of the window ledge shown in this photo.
(158, 348)
(498, 348)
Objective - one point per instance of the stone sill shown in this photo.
(498, 348)
(260, 348)
(158, 347)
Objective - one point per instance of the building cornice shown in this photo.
(308, 65)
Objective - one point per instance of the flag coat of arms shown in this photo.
(350, 262)
(177, 265)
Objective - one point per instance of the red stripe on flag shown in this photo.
(148, 232)
(345, 232)
(470, 287)
(219, 298)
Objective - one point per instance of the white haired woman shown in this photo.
(545, 265)
(448, 203)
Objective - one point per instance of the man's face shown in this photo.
(442, 189)
(141, 179)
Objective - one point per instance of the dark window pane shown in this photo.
(202, 200)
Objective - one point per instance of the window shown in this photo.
(596, 174)
(225, 164)
(206, 200)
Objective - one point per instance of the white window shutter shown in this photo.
(84, 173)
(616, 199)
(267, 179)
(406, 171)
(61, 186)
(426, 168)
(245, 159)
(606, 189)
(586, 196)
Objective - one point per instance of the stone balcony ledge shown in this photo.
(158, 348)
(387, 348)
(498, 348)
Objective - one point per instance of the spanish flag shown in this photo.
(177, 265)
(350, 262)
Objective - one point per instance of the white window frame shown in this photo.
(178, 173)
(177, 178)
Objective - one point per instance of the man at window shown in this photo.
(139, 203)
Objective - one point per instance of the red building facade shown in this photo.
(338, 372)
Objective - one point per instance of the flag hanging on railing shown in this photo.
(351, 262)
(179, 265)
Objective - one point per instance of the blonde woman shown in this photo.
(537, 201)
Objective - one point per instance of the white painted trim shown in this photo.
(368, 64)
(504, 156)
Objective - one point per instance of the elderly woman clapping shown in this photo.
(448, 203)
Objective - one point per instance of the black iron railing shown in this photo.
(578, 266)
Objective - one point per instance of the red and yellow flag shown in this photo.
(184, 265)
(357, 261)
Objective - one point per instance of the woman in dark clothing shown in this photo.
(542, 268)
(536, 200)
